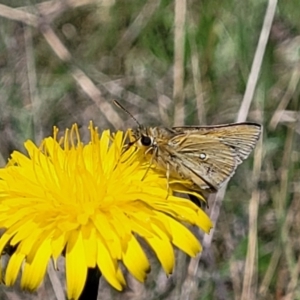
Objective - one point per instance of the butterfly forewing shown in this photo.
(241, 137)
(207, 156)
(206, 162)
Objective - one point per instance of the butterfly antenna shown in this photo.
(123, 108)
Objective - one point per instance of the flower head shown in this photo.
(90, 202)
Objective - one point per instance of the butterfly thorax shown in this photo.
(158, 145)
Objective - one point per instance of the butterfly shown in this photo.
(204, 156)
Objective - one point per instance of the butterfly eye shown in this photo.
(202, 156)
(146, 140)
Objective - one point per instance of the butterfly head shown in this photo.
(143, 137)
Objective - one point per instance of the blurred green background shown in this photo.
(65, 61)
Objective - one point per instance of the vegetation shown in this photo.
(172, 63)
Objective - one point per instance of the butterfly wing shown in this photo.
(208, 156)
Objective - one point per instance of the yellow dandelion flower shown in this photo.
(89, 202)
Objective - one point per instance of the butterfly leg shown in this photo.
(150, 163)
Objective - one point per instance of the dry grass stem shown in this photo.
(18, 15)
(257, 61)
(56, 283)
(179, 46)
(249, 290)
